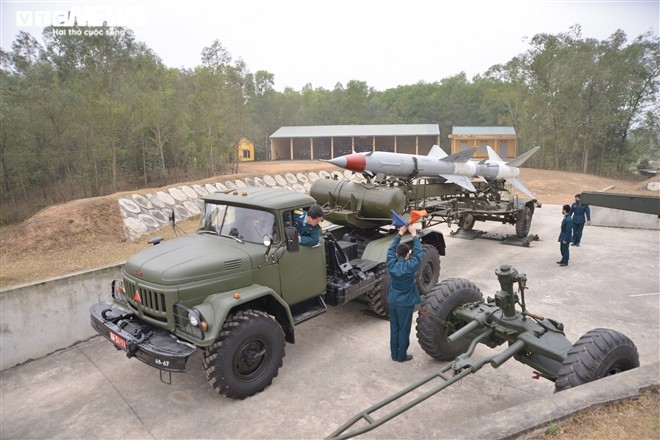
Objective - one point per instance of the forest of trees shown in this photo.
(87, 115)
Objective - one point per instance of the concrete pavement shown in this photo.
(340, 363)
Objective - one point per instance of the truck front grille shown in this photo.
(151, 302)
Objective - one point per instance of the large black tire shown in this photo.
(377, 297)
(435, 321)
(429, 270)
(246, 356)
(600, 352)
(524, 223)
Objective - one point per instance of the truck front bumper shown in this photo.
(152, 345)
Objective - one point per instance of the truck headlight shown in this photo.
(197, 320)
(193, 319)
(118, 291)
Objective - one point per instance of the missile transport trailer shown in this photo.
(354, 203)
(239, 286)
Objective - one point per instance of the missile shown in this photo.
(456, 168)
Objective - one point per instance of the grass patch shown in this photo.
(637, 418)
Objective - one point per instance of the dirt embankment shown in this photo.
(87, 233)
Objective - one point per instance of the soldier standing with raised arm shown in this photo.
(402, 263)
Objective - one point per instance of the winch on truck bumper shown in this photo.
(152, 345)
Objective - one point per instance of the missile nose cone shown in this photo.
(338, 161)
(352, 162)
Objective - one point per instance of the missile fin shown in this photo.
(522, 188)
(518, 161)
(461, 181)
(436, 151)
(461, 156)
(492, 155)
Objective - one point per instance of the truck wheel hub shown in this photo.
(251, 357)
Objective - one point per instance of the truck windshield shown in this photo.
(242, 223)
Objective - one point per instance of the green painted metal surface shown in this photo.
(625, 202)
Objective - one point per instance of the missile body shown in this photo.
(457, 168)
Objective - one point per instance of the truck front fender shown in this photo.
(217, 307)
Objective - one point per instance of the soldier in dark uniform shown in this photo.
(578, 212)
(565, 235)
(402, 264)
(307, 224)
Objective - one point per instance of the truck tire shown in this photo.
(377, 297)
(466, 222)
(429, 270)
(435, 321)
(246, 356)
(524, 223)
(600, 352)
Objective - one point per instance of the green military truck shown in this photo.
(237, 288)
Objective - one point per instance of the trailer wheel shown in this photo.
(429, 270)
(524, 223)
(246, 356)
(435, 321)
(377, 297)
(600, 352)
(466, 222)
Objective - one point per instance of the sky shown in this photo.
(384, 43)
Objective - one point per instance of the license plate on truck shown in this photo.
(118, 340)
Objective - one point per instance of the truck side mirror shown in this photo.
(292, 243)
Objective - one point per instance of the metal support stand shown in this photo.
(505, 239)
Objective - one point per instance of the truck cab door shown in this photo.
(303, 273)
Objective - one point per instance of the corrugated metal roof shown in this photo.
(483, 130)
(357, 130)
